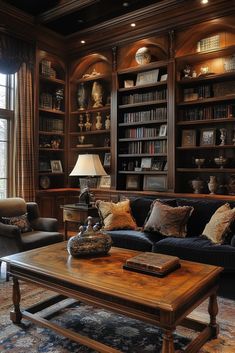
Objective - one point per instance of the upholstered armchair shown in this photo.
(22, 228)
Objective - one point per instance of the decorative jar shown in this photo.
(89, 242)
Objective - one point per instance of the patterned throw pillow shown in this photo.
(168, 220)
(20, 221)
(219, 224)
(116, 215)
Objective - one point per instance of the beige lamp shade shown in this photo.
(88, 165)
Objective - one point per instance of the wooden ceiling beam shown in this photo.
(65, 8)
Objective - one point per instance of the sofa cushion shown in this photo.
(116, 215)
(135, 240)
(198, 250)
(141, 206)
(203, 211)
(216, 229)
(20, 221)
(168, 220)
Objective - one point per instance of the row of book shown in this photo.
(144, 97)
(148, 115)
(142, 132)
(220, 111)
(210, 90)
(149, 147)
(51, 125)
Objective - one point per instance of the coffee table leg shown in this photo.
(168, 343)
(15, 315)
(213, 311)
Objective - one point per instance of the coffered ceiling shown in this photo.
(66, 17)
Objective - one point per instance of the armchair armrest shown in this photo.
(9, 231)
(45, 224)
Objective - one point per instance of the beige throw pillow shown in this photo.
(219, 224)
(168, 220)
(116, 215)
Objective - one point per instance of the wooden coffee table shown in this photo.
(101, 281)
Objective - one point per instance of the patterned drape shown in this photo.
(24, 135)
(17, 56)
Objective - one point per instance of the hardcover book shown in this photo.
(152, 263)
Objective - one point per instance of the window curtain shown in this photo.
(17, 56)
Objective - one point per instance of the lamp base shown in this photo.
(86, 197)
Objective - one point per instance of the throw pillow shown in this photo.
(116, 215)
(168, 220)
(20, 221)
(219, 224)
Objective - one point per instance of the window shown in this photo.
(7, 95)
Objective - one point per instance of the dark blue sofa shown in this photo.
(193, 247)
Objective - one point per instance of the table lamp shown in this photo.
(87, 165)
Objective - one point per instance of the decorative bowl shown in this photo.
(199, 162)
(220, 161)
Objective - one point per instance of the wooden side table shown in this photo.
(78, 214)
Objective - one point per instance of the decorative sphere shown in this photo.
(143, 56)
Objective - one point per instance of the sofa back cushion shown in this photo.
(141, 206)
(203, 211)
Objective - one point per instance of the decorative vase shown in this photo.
(89, 242)
(98, 124)
(212, 184)
(197, 186)
(107, 122)
(97, 95)
(82, 97)
(143, 56)
(88, 123)
(223, 133)
(80, 124)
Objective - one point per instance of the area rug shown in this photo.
(118, 331)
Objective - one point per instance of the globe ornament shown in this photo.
(143, 56)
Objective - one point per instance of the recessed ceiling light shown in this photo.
(83, 42)
(204, 2)
(80, 21)
(125, 4)
(133, 24)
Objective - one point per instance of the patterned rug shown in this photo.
(118, 331)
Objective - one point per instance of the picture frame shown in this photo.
(105, 182)
(164, 77)
(188, 138)
(146, 163)
(132, 182)
(107, 159)
(56, 166)
(155, 183)
(157, 165)
(163, 130)
(207, 137)
(146, 77)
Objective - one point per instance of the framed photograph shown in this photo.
(146, 77)
(107, 159)
(188, 138)
(207, 137)
(146, 163)
(132, 182)
(105, 182)
(56, 167)
(163, 130)
(155, 182)
(157, 165)
(128, 83)
(164, 77)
